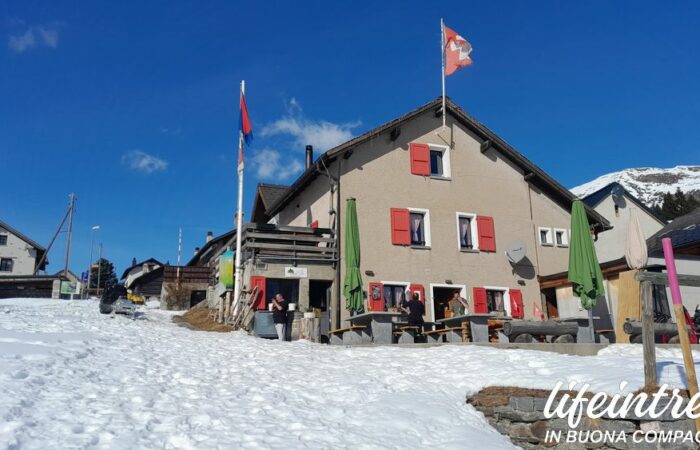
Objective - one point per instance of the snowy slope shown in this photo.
(648, 184)
(72, 378)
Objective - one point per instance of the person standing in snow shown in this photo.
(279, 315)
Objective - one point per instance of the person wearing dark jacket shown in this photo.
(279, 315)
(415, 310)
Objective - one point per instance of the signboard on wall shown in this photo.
(70, 287)
(296, 272)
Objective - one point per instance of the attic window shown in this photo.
(3, 239)
(545, 235)
(561, 238)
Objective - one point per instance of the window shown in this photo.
(5, 265)
(419, 223)
(467, 233)
(561, 238)
(439, 161)
(436, 163)
(394, 295)
(3, 239)
(546, 236)
(495, 300)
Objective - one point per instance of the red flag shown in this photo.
(457, 51)
(244, 128)
(538, 312)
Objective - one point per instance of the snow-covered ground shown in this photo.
(72, 378)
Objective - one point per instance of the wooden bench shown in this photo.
(407, 334)
(351, 335)
(453, 334)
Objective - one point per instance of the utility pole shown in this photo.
(99, 268)
(71, 210)
(92, 242)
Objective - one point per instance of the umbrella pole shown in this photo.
(590, 325)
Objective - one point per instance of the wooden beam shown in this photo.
(395, 133)
(485, 146)
(648, 335)
(662, 278)
(529, 176)
(289, 237)
(294, 248)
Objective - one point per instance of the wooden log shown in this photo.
(648, 333)
(662, 279)
(565, 339)
(660, 329)
(525, 338)
(535, 327)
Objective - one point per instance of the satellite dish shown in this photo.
(516, 252)
(618, 196)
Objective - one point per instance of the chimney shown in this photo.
(210, 236)
(309, 155)
(196, 250)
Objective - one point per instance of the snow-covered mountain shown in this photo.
(648, 184)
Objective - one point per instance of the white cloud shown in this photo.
(140, 161)
(268, 165)
(38, 35)
(321, 134)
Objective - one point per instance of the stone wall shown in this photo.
(519, 414)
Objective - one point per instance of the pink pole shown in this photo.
(671, 271)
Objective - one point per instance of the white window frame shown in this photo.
(565, 237)
(474, 229)
(430, 311)
(446, 167)
(426, 225)
(506, 297)
(405, 284)
(550, 234)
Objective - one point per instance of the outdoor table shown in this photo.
(380, 324)
(478, 326)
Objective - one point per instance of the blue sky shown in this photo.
(133, 105)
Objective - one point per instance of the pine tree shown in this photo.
(107, 275)
(676, 205)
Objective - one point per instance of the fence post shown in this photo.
(648, 335)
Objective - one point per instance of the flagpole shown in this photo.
(239, 220)
(442, 54)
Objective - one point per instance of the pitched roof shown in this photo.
(139, 264)
(214, 242)
(21, 236)
(536, 175)
(684, 232)
(268, 194)
(601, 194)
(40, 250)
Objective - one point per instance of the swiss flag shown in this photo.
(538, 312)
(457, 51)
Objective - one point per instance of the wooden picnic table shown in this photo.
(380, 324)
(478, 326)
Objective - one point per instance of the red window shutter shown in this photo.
(487, 234)
(260, 300)
(417, 288)
(400, 227)
(480, 304)
(516, 304)
(314, 224)
(420, 158)
(376, 297)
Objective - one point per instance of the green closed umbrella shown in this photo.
(584, 270)
(352, 287)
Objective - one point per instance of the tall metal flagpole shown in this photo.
(442, 54)
(239, 219)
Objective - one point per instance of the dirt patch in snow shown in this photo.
(198, 319)
(500, 395)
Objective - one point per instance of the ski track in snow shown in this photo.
(73, 378)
